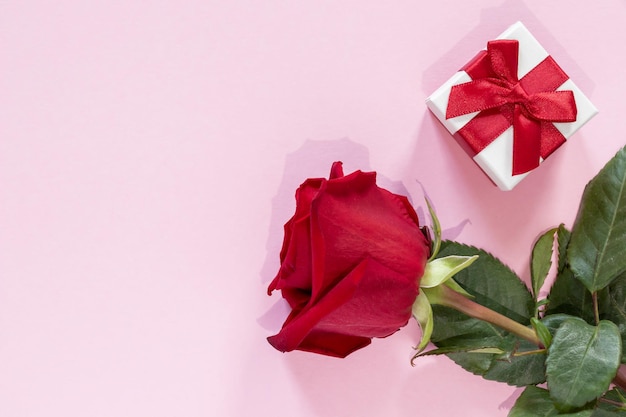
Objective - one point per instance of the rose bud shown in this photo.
(351, 262)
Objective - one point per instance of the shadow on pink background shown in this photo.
(474, 40)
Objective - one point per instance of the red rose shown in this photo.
(351, 263)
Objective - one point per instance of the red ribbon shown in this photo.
(530, 105)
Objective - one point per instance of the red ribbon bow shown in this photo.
(530, 105)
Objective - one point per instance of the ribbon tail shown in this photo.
(526, 142)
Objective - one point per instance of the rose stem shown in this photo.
(596, 312)
(446, 296)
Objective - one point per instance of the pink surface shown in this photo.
(148, 156)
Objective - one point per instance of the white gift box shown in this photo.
(496, 159)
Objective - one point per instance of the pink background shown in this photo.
(148, 156)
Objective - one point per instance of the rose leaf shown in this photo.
(495, 286)
(541, 260)
(612, 404)
(562, 238)
(569, 296)
(582, 361)
(536, 402)
(542, 331)
(614, 306)
(596, 249)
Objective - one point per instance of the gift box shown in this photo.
(511, 106)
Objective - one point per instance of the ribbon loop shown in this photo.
(503, 55)
(526, 104)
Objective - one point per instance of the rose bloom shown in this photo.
(351, 262)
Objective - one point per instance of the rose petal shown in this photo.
(299, 325)
(380, 305)
(336, 170)
(344, 319)
(295, 269)
(333, 344)
(296, 248)
(351, 262)
(362, 220)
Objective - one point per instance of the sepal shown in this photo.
(423, 313)
(439, 270)
(436, 242)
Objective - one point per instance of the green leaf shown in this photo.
(582, 361)
(612, 404)
(554, 321)
(518, 370)
(569, 296)
(562, 238)
(440, 270)
(492, 283)
(423, 313)
(495, 286)
(455, 349)
(517, 361)
(596, 249)
(536, 402)
(455, 329)
(541, 260)
(542, 331)
(613, 307)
